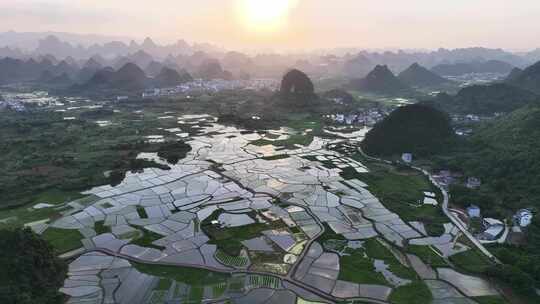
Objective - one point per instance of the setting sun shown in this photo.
(265, 15)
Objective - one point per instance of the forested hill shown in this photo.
(505, 153)
(417, 129)
(418, 76)
(485, 99)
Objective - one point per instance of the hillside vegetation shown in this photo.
(485, 99)
(31, 272)
(418, 76)
(416, 129)
(505, 153)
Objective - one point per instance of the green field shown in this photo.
(357, 268)
(414, 293)
(263, 281)
(100, 228)
(490, 300)
(63, 240)
(401, 191)
(197, 279)
(191, 276)
(471, 261)
(427, 255)
(41, 151)
(147, 238)
(376, 250)
(230, 239)
(234, 261)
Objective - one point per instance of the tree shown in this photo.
(31, 272)
(520, 281)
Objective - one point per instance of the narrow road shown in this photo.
(447, 212)
(455, 220)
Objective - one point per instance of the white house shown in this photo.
(151, 93)
(473, 211)
(407, 157)
(493, 228)
(523, 217)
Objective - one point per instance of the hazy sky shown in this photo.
(512, 24)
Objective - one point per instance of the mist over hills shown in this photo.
(381, 80)
(520, 88)
(486, 99)
(528, 79)
(456, 69)
(117, 51)
(417, 75)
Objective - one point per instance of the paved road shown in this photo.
(456, 221)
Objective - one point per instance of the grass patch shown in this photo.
(100, 228)
(147, 238)
(230, 239)
(329, 234)
(191, 276)
(63, 240)
(164, 284)
(55, 196)
(427, 255)
(434, 229)
(490, 300)
(414, 293)
(17, 217)
(375, 249)
(300, 123)
(234, 261)
(400, 190)
(276, 157)
(46, 159)
(196, 294)
(263, 281)
(357, 268)
(471, 261)
(142, 212)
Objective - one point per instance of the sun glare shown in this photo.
(265, 15)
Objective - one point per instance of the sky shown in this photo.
(290, 24)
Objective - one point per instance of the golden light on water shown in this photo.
(265, 15)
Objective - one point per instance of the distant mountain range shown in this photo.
(457, 69)
(15, 70)
(381, 80)
(117, 51)
(520, 88)
(418, 76)
(90, 76)
(131, 78)
(357, 66)
(64, 45)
